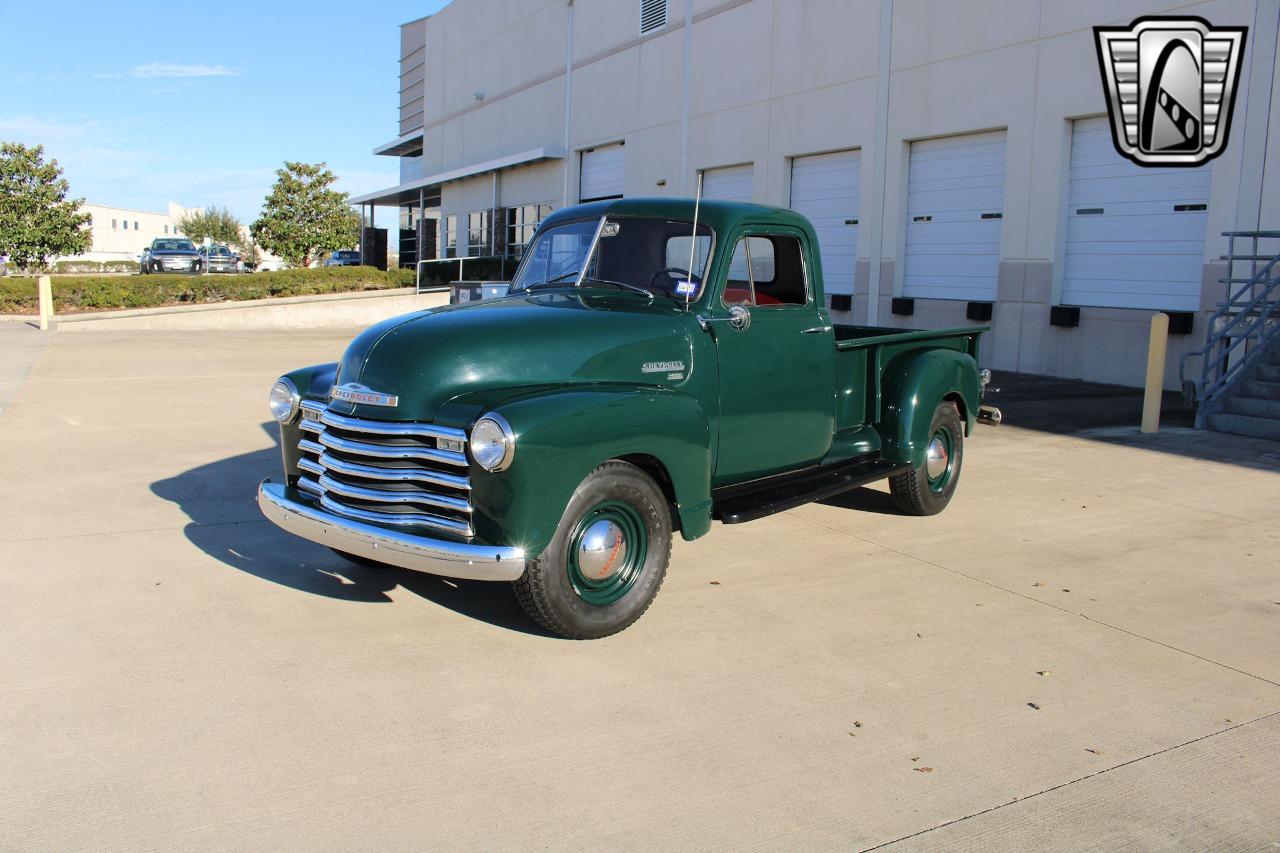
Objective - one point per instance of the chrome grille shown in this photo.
(383, 472)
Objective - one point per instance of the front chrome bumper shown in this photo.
(287, 509)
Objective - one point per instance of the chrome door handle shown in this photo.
(816, 330)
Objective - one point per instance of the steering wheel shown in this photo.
(688, 276)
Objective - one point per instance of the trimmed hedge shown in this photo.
(104, 293)
(63, 267)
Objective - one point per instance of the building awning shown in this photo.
(409, 145)
(408, 191)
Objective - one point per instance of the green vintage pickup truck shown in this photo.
(645, 376)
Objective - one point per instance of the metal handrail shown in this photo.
(1245, 321)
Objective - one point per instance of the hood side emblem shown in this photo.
(661, 366)
(354, 392)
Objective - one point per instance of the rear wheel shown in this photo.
(928, 489)
(607, 559)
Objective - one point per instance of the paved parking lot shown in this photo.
(1082, 652)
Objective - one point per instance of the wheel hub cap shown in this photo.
(602, 550)
(936, 459)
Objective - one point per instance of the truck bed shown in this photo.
(862, 355)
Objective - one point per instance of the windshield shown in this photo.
(346, 256)
(649, 254)
(173, 246)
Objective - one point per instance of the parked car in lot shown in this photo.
(218, 258)
(343, 258)
(168, 254)
(559, 437)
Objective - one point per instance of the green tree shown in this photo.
(303, 217)
(249, 253)
(216, 223)
(37, 220)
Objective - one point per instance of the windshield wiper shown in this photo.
(632, 287)
(553, 280)
(559, 279)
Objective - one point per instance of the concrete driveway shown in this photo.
(1082, 652)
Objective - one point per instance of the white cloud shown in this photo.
(154, 70)
(119, 163)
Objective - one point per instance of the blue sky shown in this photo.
(145, 103)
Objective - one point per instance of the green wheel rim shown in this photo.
(939, 459)
(607, 552)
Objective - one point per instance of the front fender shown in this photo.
(313, 383)
(912, 385)
(562, 435)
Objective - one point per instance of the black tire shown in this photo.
(555, 590)
(361, 561)
(917, 492)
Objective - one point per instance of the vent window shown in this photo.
(653, 15)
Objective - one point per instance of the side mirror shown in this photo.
(739, 317)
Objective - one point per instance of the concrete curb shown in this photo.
(321, 311)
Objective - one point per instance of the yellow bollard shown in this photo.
(46, 302)
(1155, 373)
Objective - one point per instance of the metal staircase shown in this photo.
(1238, 387)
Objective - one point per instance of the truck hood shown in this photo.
(542, 339)
(173, 253)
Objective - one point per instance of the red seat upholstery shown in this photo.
(738, 295)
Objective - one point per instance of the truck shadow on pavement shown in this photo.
(220, 500)
(864, 499)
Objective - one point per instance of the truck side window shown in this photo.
(766, 272)
(777, 271)
(737, 289)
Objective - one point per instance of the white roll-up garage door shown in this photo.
(955, 209)
(824, 189)
(1135, 235)
(603, 174)
(729, 183)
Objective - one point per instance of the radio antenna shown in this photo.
(693, 242)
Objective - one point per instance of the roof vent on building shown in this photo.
(653, 15)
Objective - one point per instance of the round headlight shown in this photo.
(492, 442)
(283, 400)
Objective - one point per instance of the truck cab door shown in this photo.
(777, 375)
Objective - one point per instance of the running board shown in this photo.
(736, 504)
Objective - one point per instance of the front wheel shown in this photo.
(607, 559)
(928, 489)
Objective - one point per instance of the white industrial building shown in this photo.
(121, 233)
(954, 155)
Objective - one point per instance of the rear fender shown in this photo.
(913, 385)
